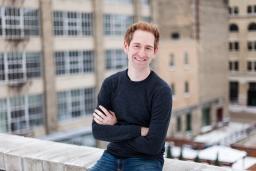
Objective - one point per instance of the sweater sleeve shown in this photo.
(112, 133)
(152, 144)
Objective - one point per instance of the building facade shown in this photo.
(54, 55)
(193, 60)
(242, 60)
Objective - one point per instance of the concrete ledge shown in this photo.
(28, 154)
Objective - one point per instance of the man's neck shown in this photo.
(138, 75)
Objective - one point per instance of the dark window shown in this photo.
(252, 27)
(236, 66)
(178, 126)
(249, 46)
(236, 10)
(188, 122)
(233, 28)
(206, 116)
(175, 35)
(233, 92)
(236, 45)
(249, 66)
(249, 9)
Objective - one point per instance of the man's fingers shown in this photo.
(104, 110)
(95, 115)
(102, 115)
(97, 121)
(112, 113)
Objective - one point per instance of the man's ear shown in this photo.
(125, 47)
(156, 50)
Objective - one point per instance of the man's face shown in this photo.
(141, 49)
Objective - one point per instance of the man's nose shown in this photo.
(142, 52)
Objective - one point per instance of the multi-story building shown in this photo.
(242, 60)
(193, 59)
(54, 55)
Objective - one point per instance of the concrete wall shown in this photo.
(28, 154)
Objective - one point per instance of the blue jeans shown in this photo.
(108, 162)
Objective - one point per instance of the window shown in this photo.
(3, 116)
(233, 92)
(251, 45)
(186, 89)
(19, 22)
(74, 62)
(116, 24)
(76, 103)
(188, 122)
(233, 66)
(172, 60)
(33, 65)
(251, 66)
(31, 22)
(236, 10)
(233, 28)
(206, 116)
(251, 9)
(24, 113)
(233, 11)
(179, 124)
(2, 67)
(186, 60)
(175, 35)
(18, 67)
(72, 23)
(115, 59)
(252, 27)
(233, 46)
(15, 67)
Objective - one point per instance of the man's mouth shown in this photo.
(140, 59)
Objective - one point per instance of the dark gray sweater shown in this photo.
(146, 103)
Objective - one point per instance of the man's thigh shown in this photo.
(139, 164)
(107, 162)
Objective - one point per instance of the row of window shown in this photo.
(186, 88)
(76, 103)
(18, 67)
(235, 46)
(250, 94)
(234, 27)
(234, 66)
(185, 59)
(72, 23)
(251, 9)
(74, 62)
(19, 22)
(20, 113)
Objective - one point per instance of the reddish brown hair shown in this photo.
(144, 26)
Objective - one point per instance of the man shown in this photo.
(134, 108)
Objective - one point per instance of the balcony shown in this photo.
(28, 154)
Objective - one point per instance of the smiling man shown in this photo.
(134, 108)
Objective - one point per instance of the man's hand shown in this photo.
(144, 131)
(105, 117)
